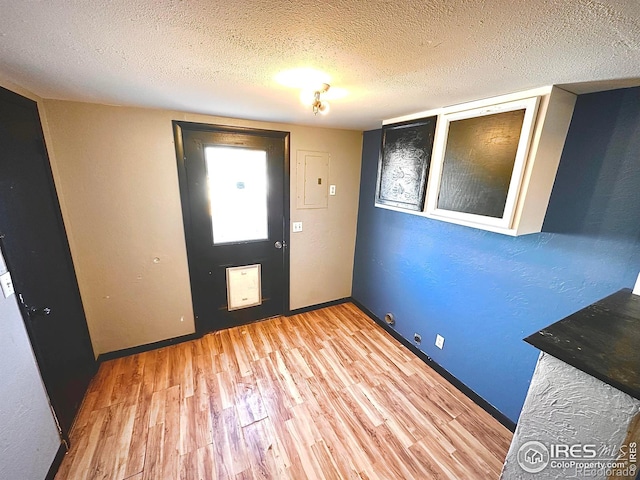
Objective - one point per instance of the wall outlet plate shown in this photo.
(297, 227)
(332, 189)
(636, 289)
(440, 341)
(7, 284)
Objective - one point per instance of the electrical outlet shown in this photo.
(440, 341)
(297, 227)
(332, 189)
(417, 338)
(7, 284)
(636, 289)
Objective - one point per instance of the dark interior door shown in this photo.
(234, 189)
(35, 247)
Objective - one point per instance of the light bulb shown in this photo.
(323, 108)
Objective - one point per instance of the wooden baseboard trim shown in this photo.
(318, 306)
(146, 348)
(57, 461)
(477, 399)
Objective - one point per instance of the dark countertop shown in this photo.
(602, 340)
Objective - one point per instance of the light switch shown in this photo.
(297, 227)
(7, 284)
(332, 190)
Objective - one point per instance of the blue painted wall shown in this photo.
(483, 291)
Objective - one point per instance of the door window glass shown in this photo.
(238, 187)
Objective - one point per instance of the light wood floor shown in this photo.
(326, 394)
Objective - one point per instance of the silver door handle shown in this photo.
(279, 245)
(33, 311)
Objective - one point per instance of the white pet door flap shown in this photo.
(244, 287)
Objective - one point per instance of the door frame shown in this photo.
(178, 128)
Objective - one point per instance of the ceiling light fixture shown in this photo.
(318, 105)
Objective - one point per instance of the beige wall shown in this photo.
(115, 169)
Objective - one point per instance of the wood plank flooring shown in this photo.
(321, 395)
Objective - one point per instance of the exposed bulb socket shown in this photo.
(318, 105)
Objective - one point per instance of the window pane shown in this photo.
(237, 179)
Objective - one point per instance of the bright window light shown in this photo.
(238, 190)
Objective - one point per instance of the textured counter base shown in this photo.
(567, 406)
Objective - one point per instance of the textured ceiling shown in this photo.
(394, 57)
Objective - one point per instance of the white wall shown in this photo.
(115, 171)
(28, 435)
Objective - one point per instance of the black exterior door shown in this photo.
(234, 188)
(35, 247)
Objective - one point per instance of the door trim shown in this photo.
(178, 128)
